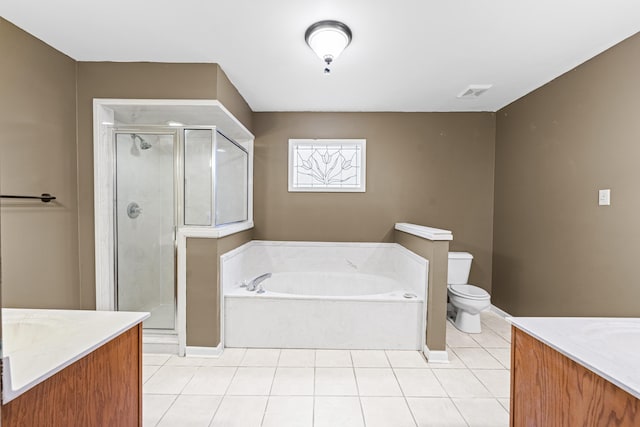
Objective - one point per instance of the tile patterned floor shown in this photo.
(335, 388)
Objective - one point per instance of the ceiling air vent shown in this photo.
(473, 91)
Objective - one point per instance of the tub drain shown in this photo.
(409, 295)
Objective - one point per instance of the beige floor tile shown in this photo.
(477, 358)
(252, 381)
(435, 412)
(148, 371)
(240, 411)
(330, 411)
(490, 339)
(503, 355)
(461, 383)
(333, 358)
(335, 382)
(191, 411)
(456, 338)
(406, 359)
(188, 361)
(454, 362)
(155, 359)
(154, 407)
(369, 359)
(210, 380)
(294, 358)
(482, 412)
(386, 412)
(229, 357)
(260, 357)
(497, 381)
(293, 382)
(377, 382)
(419, 382)
(289, 411)
(169, 380)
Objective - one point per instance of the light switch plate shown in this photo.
(604, 197)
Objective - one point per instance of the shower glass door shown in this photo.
(145, 226)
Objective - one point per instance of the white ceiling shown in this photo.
(406, 55)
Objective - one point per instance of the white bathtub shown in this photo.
(325, 295)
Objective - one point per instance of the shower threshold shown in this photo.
(159, 341)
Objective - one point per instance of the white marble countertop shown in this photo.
(37, 344)
(610, 347)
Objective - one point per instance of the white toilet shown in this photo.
(467, 301)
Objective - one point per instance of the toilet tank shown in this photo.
(459, 268)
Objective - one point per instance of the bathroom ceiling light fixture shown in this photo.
(328, 39)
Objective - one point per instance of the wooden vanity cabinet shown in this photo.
(102, 389)
(548, 389)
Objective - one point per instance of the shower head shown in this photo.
(144, 145)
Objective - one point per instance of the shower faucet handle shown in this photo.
(133, 210)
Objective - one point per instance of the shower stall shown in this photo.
(145, 219)
(166, 179)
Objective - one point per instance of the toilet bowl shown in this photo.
(467, 301)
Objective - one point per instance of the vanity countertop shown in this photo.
(37, 344)
(607, 346)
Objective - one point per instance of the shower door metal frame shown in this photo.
(214, 191)
(178, 175)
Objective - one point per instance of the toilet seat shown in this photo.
(469, 291)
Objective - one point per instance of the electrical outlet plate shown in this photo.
(604, 197)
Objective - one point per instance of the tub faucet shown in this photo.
(253, 283)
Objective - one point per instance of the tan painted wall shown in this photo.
(433, 169)
(135, 80)
(437, 253)
(37, 155)
(123, 80)
(232, 100)
(203, 286)
(556, 251)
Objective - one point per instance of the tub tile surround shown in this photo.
(385, 259)
(335, 388)
(386, 320)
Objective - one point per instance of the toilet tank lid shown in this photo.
(460, 255)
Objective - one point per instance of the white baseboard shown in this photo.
(192, 351)
(500, 312)
(435, 356)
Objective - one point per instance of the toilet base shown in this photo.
(465, 321)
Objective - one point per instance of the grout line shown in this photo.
(355, 379)
(226, 390)
(275, 370)
(175, 398)
(215, 411)
(313, 410)
(404, 396)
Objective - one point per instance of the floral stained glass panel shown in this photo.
(327, 165)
